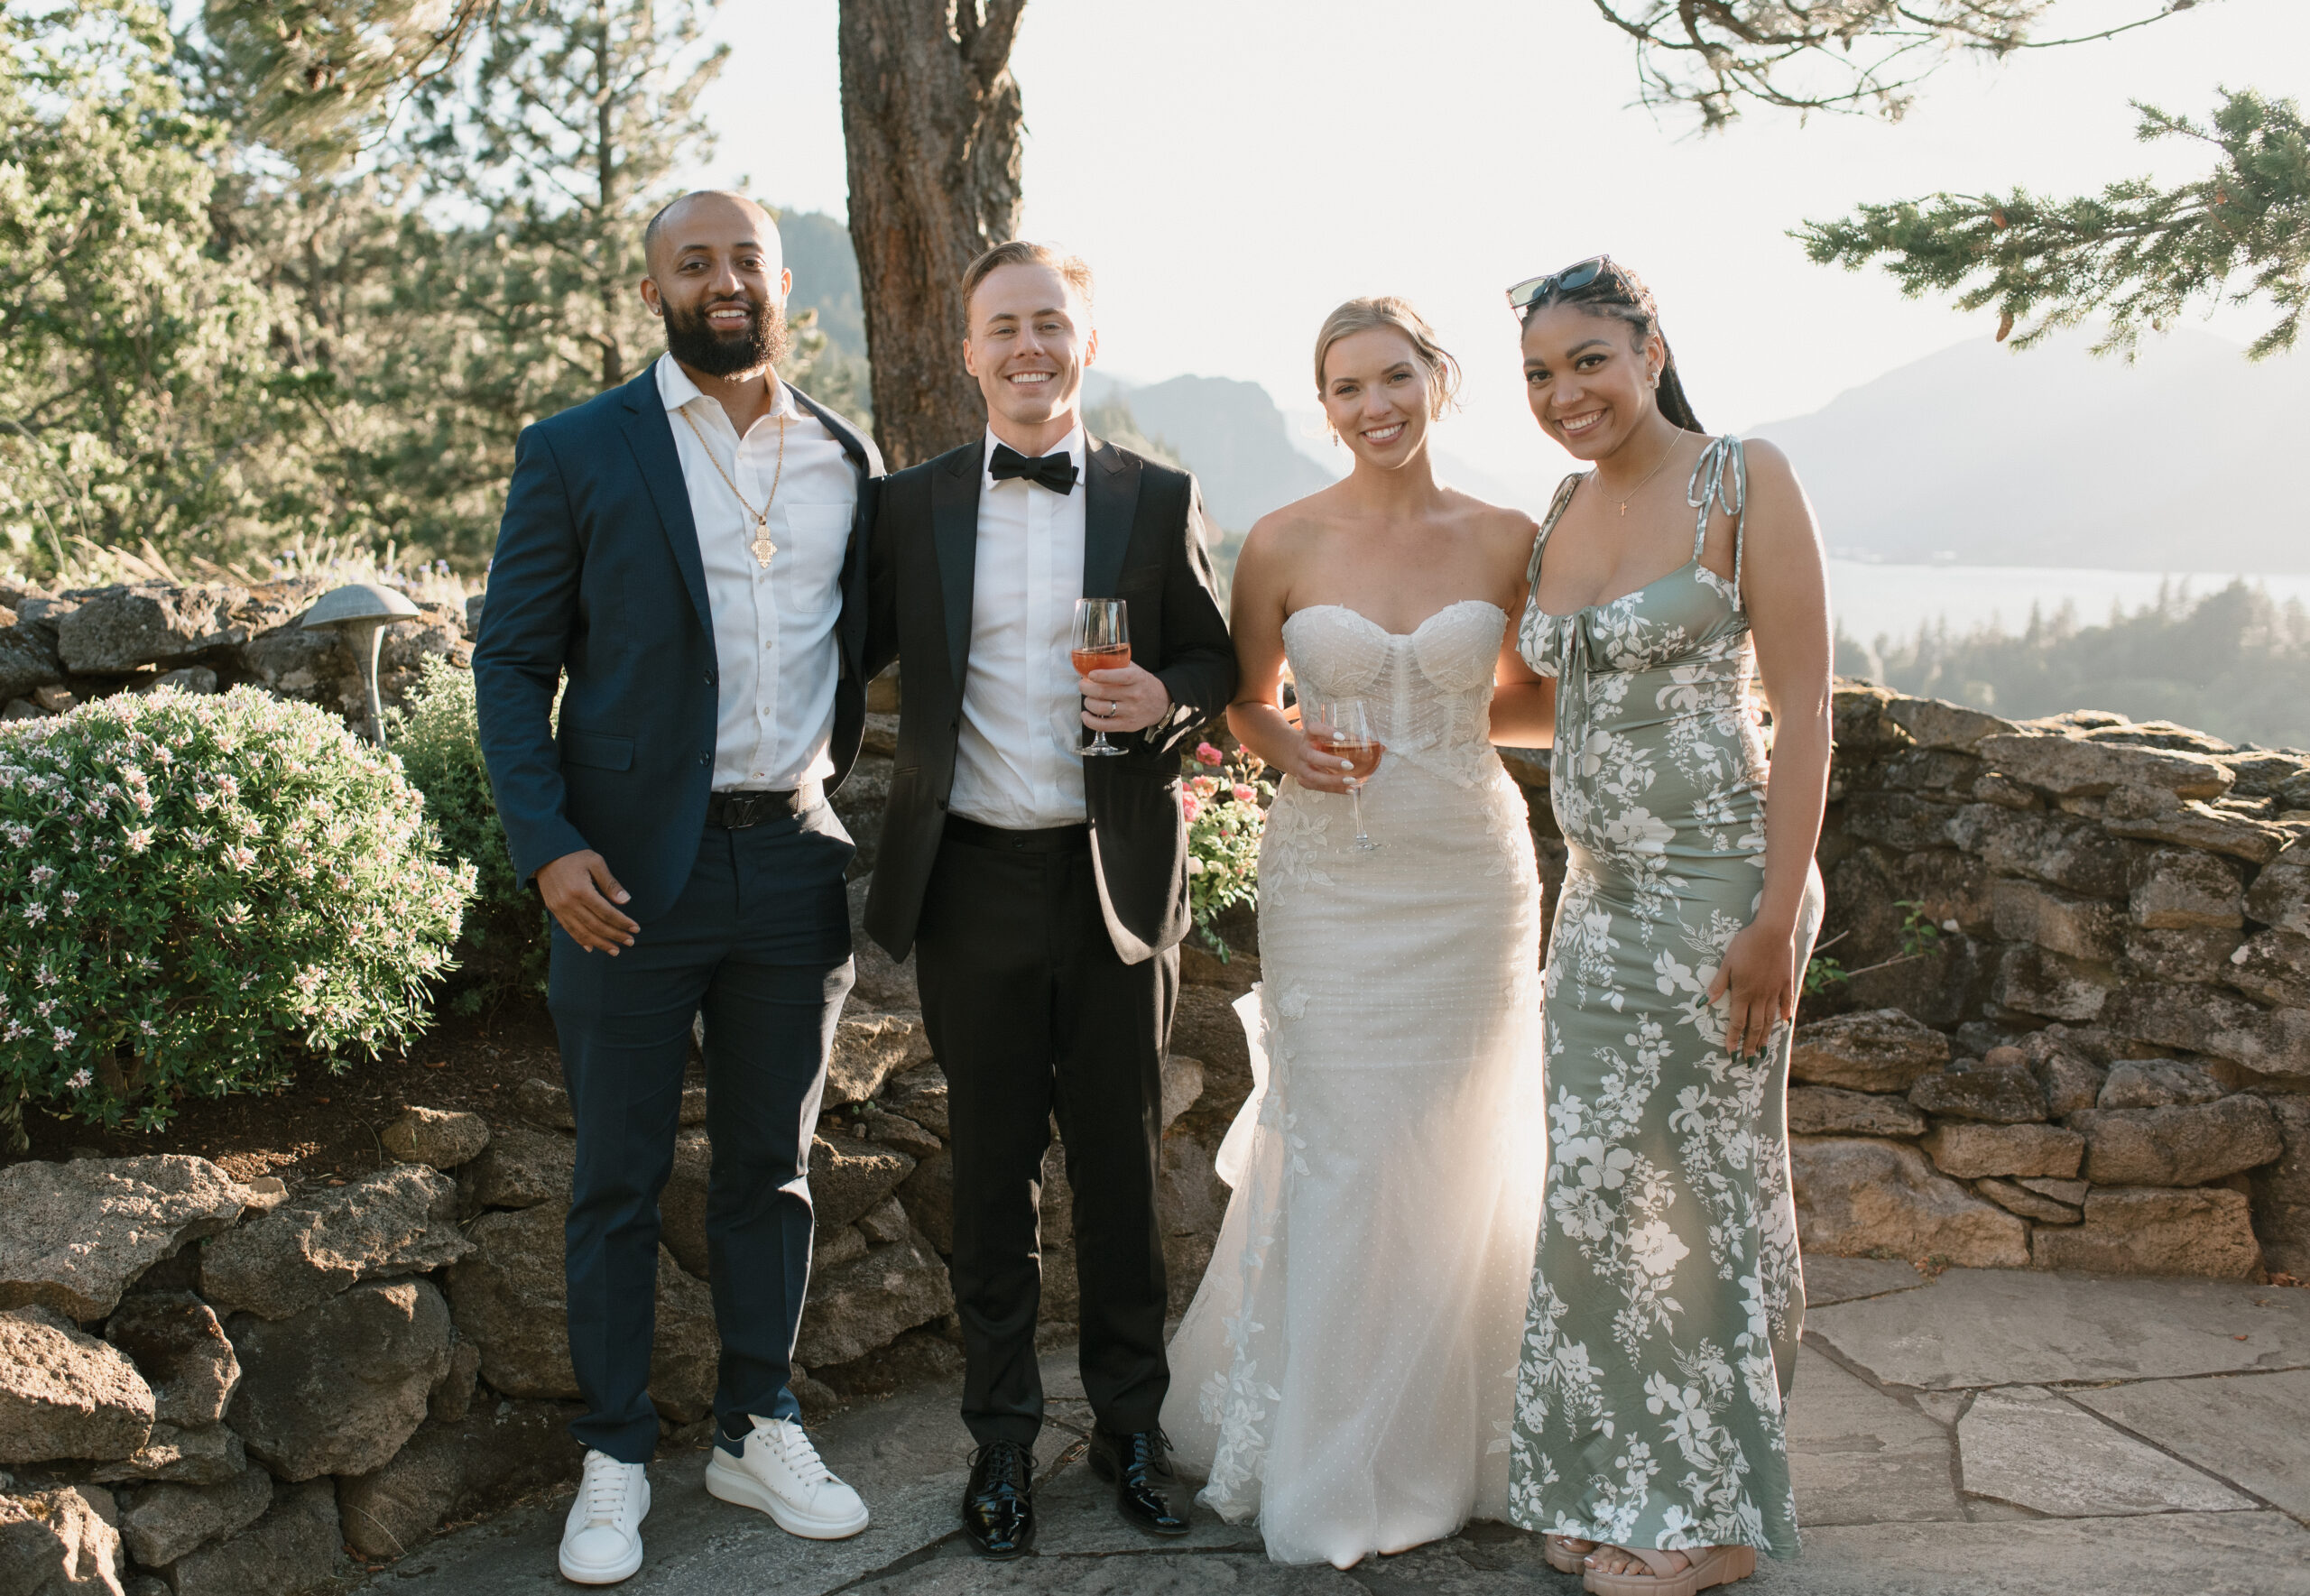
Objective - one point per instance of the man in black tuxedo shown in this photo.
(689, 552)
(1044, 894)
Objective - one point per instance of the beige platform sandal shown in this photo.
(1718, 1565)
(1558, 1550)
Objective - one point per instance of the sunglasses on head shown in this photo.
(1578, 275)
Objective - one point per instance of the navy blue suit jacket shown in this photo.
(598, 575)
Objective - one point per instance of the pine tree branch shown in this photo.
(1847, 56)
(2136, 254)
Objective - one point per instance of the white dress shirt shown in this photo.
(1015, 765)
(773, 628)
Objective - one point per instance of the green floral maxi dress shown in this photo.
(1666, 1297)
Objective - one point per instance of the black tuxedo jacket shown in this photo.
(597, 574)
(1144, 544)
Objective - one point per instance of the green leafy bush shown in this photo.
(193, 886)
(504, 945)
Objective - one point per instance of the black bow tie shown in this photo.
(1055, 472)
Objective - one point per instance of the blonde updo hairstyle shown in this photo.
(1386, 310)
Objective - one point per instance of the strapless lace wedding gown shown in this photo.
(1346, 1373)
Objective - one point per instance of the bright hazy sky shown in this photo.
(1234, 168)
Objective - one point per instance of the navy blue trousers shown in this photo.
(760, 942)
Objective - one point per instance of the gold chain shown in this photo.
(761, 546)
(1665, 456)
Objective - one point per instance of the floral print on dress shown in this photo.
(1666, 1297)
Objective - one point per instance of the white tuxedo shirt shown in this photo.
(1015, 762)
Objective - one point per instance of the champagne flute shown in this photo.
(1343, 727)
(1102, 642)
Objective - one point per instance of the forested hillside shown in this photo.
(2230, 662)
(223, 333)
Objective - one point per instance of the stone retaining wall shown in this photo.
(2077, 1030)
(59, 649)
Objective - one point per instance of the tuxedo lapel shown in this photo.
(954, 535)
(651, 434)
(1111, 484)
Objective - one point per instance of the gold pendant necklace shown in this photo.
(1664, 456)
(761, 548)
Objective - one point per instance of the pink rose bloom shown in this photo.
(1245, 795)
(1205, 786)
(1206, 754)
(1189, 805)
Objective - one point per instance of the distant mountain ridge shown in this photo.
(1228, 432)
(825, 277)
(2188, 460)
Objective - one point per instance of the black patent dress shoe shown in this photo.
(1139, 1465)
(998, 1507)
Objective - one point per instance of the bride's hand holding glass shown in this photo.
(1340, 729)
(1317, 769)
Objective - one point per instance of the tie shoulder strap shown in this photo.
(1564, 491)
(1721, 479)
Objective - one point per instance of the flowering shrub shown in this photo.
(439, 738)
(1222, 798)
(190, 884)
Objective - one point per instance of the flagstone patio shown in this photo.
(1987, 1431)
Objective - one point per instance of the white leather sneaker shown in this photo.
(779, 1473)
(601, 1541)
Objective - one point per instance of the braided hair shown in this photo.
(1619, 293)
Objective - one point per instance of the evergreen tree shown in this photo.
(2137, 255)
(134, 361)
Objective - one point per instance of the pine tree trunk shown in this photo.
(932, 118)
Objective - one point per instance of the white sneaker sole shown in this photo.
(733, 1484)
(623, 1569)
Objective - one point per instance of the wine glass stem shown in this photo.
(1356, 800)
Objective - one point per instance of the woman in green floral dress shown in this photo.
(1666, 1297)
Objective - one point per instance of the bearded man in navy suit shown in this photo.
(688, 553)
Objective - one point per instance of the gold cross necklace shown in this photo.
(1665, 456)
(762, 547)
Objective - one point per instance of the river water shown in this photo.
(1871, 601)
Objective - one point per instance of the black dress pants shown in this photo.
(1032, 1014)
(760, 942)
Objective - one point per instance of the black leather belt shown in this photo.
(736, 811)
(1049, 839)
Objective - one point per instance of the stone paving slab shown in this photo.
(2037, 1450)
(2006, 1407)
(2188, 1554)
(2009, 1327)
(1850, 1279)
(2252, 1428)
(1858, 1455)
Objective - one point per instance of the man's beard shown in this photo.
(764, 341)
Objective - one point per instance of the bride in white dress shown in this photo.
(1346, 1373)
